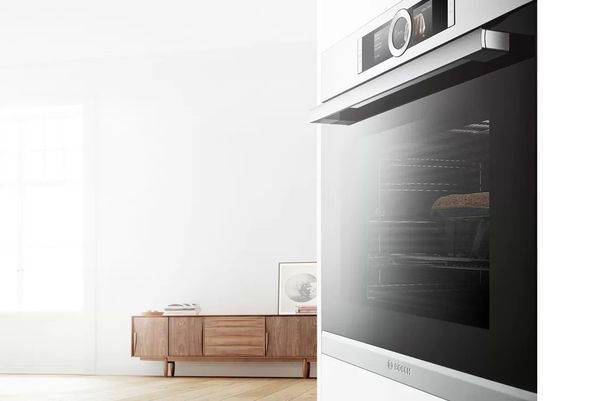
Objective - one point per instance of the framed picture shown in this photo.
(297, 287)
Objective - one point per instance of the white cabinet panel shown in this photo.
(338, 18)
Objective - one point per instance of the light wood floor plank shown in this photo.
(310, 395)
(136, 388)
(291, 392)
(195, 390)
(270, 387)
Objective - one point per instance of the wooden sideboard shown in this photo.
(225, 338)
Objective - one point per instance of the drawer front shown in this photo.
(234, 336)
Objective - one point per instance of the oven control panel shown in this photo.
(409, 27)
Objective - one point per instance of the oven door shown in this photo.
(429, 236)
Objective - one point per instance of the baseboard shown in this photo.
(46, 370)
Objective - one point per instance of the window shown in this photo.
(41, 209)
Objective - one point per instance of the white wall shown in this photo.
(204, 164)
(208, 182)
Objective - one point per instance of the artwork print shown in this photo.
(297, 286)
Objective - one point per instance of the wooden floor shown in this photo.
(129, 388)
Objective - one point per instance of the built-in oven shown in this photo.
(428, 198)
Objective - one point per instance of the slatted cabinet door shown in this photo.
(150, 337)
(291, 336)
(185, 336)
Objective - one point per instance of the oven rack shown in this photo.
(431, 184)
(481, 128)
(433, 162)
(434, 220)
(445, 191)
(444, 187)
(396, 260)
(404, 222)
(401, 175)
(462, 213)
(436, 258)
(404, 164)
(422, 287)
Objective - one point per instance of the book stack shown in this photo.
(182, 309)
(306, 309)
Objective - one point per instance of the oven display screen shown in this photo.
(375, 47)
(381, 50)
(422, 22)
(428, 18)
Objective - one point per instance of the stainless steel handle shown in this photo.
(478, 45)
(266, 340)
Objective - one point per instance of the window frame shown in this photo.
(21, 183)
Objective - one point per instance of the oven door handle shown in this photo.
(479, 45)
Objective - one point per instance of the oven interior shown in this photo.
(428, 234)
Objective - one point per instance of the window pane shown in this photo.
(9, 147)
(8, 167)
(73, 165)
(53, 279)
(73, 133)
(34, 165)
(53, 216)
(55, 165)
(8, 279)
(33, 133)
(8, 136)
(54, 134)
(8, 248)
(9, 211)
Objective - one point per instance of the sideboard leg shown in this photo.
(305, 368)
(172, 363)
(166, 368)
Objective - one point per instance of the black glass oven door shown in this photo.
(429, 228)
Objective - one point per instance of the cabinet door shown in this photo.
(234, 336)
(185, 336)
(149, 337)
(292, 336)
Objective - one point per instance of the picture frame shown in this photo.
(297, 286)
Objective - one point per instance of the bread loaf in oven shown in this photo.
(461, 201)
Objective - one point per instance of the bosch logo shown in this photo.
(398, 367)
